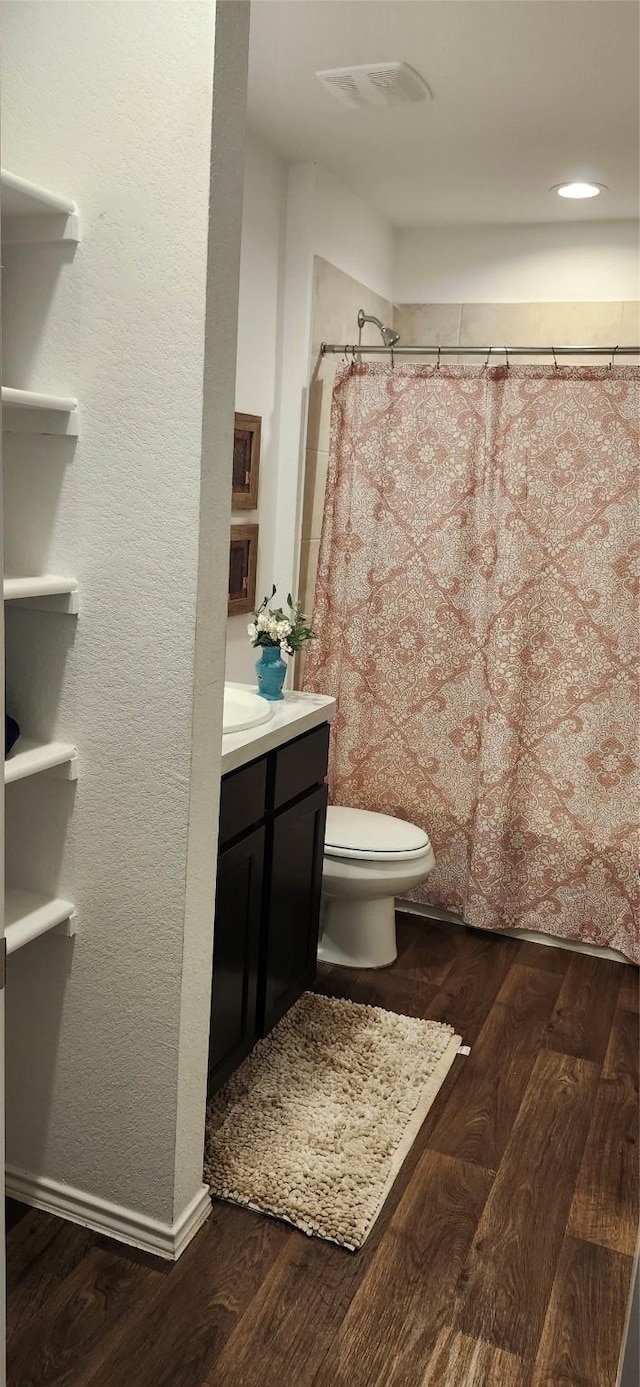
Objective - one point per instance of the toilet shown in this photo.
(369, 859)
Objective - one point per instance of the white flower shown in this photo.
(277, 629)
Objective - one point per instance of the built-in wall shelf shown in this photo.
(30, 757)
(33, 411)
(31, 213)
(45, 586)
(28, 915)
(36, 399)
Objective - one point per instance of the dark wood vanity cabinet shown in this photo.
(272, 821)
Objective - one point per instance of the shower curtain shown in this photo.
(477, 616)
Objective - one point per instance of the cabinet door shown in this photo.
(288, 963)
(236, 943)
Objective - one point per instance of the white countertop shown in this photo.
(294, 714)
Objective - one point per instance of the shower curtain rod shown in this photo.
(349, 349)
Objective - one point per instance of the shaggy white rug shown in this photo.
(315, 1124)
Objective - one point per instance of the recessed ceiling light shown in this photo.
(578, 190)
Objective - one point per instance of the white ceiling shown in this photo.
(526, 93)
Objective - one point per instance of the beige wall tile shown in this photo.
(572, 324)
(315, 483)
(500, 325)
(630, 326)
(298, 669)
(336, 300)
(299, 664)
(424, 324)
(309, 553)
(322, 375)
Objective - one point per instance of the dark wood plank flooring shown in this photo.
(502, 1258)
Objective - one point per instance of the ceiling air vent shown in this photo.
(374, 84)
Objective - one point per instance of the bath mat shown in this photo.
(315, 1124)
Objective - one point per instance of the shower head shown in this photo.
(389, 336)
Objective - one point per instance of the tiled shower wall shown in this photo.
(526, 324)
(336, 300)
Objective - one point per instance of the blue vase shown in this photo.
(271, 670)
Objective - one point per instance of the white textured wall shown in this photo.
(352, 235)
(553, 263)
(257, 379)
(111, 104)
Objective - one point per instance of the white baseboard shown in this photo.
(114, 1220)
(552, 941)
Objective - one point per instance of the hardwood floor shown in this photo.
(502, 1258)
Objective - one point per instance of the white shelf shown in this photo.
(27, 915)
(24, 199)
(44, 585)
(35, 399)
(47, 592)
(33, 411)
(32, 213)
(29, 757)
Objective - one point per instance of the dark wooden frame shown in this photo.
(246, 457)
(245, 536)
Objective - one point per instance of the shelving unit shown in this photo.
(32, 213)
(27, 915)
(30, 757)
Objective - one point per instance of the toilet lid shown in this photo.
(359, 833)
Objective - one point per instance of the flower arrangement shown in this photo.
(270, 627)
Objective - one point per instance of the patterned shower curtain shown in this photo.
(477, 610)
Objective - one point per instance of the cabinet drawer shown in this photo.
(242, 800)
(300, 765)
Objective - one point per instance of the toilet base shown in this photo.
(358, 934)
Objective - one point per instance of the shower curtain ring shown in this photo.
(438, 361)
(613, 357)
(555, 359)
(506, 354)
(487, 358)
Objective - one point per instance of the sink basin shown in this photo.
(243, 710)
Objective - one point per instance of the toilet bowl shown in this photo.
(369, 859)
